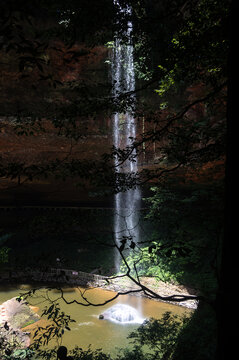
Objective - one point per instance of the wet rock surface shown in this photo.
(161, 288)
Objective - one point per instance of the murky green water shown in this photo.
(88, 329)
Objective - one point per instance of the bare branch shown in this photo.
(89, 303)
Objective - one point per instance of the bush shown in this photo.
(155, 339)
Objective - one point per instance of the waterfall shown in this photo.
(124, 132)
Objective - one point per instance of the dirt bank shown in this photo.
(159, 287)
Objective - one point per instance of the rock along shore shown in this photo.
(159, 287)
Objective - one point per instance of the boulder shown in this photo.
(15, 314)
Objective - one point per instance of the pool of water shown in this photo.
(88, 328)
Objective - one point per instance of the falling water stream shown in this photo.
(124, 132)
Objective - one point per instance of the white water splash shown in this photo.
(124, 132)
(123, 314)
(86, 323)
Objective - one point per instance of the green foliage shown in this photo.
(166, 84)
(58, 323)
(4, 250)
(175, 337)
(89, 354)
(198, 49)
(185, 243)
(198, 340)
(4, 254)
(24, 354)
(11, 346)
(147, 262)
(156, 339)
(188, 232)
(76, 353)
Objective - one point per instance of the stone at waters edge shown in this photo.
(14, 315)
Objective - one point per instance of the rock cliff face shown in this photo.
(34, 129)
(30, 105)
